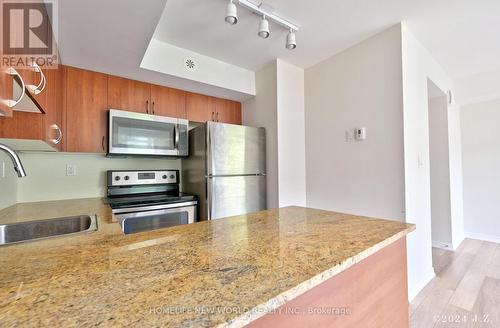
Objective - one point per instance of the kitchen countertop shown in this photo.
(223, 273)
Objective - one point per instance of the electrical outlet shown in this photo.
(70, 170)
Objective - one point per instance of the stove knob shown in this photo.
(127, 177)
(172, 177)
(164, 176)
(117, 178)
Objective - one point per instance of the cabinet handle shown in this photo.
(102, 142)
(213, 119)
(153, 107)
(37, 89)
(11, 103)
(217, 117)
(59, 134)
(147, 106)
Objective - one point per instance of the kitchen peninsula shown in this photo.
(259, 269)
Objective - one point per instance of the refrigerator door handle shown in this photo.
(209, 186)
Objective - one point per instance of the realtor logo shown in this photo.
(27, 33)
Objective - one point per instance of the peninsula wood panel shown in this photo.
(86, 111)
(168, 101)
(129, 95)
(374, 290)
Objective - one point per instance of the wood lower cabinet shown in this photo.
(86, 111)
(129, 95)
(168, 101)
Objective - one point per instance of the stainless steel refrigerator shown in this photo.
(226, 169)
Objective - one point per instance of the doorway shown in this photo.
(441, 220)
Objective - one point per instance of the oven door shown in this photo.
(148, 218)
(142, 134)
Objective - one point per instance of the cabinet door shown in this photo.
(227, 111)
(200, 108)
(129, 95)
(5, 92)
(86, 111)
(22, 125)
(168, 102)
(54, 133)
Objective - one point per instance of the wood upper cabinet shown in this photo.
(53, 124)
(86, 111)
(199, 108)
(227, 111)
(168, 102)
(47, 126)
(129, 95)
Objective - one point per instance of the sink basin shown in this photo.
(35, 230)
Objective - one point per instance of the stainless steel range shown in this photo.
(148, 200)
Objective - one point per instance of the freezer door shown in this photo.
(235, 149)
(235, 195)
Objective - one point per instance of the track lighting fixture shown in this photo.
(266, 12)
(291, 43)
(231, 13)
(264, 28)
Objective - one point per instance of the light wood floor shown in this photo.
(466, 290)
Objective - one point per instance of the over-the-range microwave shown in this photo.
(133, 133)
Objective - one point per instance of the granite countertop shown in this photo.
(222, 273)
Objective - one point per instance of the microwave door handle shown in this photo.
(176, 132)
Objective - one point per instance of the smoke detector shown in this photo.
(190, 64)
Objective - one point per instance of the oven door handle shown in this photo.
(152, 207)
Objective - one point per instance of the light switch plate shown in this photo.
(70, 170)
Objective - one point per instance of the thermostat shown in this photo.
(360, 133)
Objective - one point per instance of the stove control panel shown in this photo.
(132, 178)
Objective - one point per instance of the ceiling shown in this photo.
(462, 35)
(111, 36)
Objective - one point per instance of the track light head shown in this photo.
(291, 42)
(231, 13)
(264, 28)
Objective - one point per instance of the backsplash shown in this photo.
(47, 179)
(8, 184)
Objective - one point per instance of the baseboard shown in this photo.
(441, 245)
(413, 291)
(482, 236)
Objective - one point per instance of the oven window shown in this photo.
(146, 222)
(141, 134)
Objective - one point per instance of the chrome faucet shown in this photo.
(18, 166)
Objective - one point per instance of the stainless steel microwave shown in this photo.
(133, 133)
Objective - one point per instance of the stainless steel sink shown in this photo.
(41, 229)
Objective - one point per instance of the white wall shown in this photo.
(361, 86)
(209, 71)
(8, 183)
(481, 169)
(456, 176)
(291, 135)
(477, 88)
(440, 172)
(418, 66)
(47, 180)
(261, 111)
